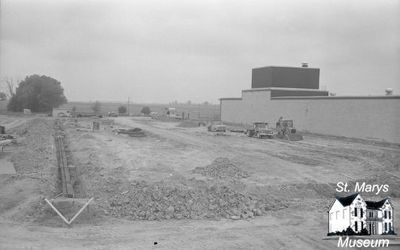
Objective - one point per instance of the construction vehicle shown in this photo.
(286, 130)
(172, 114)
(216, 128)
(261, 130)
(112, 114)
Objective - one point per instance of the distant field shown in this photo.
(195, 111)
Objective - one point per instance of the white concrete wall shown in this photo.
(366, 118)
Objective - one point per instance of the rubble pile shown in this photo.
(192, 199)
(37, 153)
(222, 168)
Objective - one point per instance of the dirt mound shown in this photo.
(192, 199)
(222, 168)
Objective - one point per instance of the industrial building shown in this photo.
(294, 93)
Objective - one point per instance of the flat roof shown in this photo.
(276, 88)
(336, 97)
(231, 98)
(311, 97)
(291, 67)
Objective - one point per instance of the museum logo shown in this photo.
(357, 222)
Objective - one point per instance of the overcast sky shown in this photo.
(160, 51)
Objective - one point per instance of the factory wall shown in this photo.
(376, 118)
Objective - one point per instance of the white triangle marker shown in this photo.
(68, 222)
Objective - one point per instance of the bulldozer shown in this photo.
(286, 130)
(261, 130)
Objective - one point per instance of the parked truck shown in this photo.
(261, 130)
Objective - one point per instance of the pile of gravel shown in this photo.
(191, 199)
(222, 168)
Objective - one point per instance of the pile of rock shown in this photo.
(193, 199)
(222, 168)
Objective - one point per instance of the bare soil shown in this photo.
(183, 187)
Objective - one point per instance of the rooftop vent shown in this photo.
(389, 91)
(304, 65)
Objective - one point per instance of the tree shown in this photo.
(146, 110)
(38, 93)
(3, 96)
(122, 109)
(96, 107)
(7, 86)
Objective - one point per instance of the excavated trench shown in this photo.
(70, 198)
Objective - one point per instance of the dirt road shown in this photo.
(260, 233)
(274, 162)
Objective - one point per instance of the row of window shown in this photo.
(387, 215)
(356, 226)
(388, 226)
(360, 211)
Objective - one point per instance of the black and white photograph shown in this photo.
(188, 124)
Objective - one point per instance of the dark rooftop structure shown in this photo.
(347, 200)
(375, 204)
(285, 77)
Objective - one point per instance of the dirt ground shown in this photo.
(284, 188)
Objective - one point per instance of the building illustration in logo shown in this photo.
(362, 217)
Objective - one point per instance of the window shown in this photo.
(385, 227)
(385, 216)
(362, 225)
(371, 214)
(356, 226)
(355, 212)
(390, 215)
(390, 226)
(361, 212)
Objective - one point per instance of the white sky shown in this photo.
(160, 51)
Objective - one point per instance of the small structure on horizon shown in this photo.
(389, 91)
